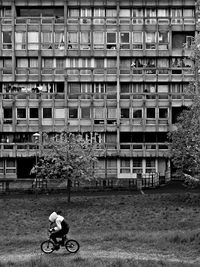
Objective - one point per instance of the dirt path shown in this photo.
(115, 254)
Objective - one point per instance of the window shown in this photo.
(86, 88)
(111, 40)
(33, 40)
(125, 13)
(98, 40)
(150, 15)
(73, 113)
(59, 113)
(189, 12)
(33, 113)
(189, 41)
(137, 113)
(176, 88)
(99, 88)
(99, 12)
(5, 12)
(162, 12)
(125, 166)
(111, 113)
(137, 165)
(20, 40)
(73, 12)
(150, 40)
(72, 40)
(33, 62)
(60, 63)
(99, 63)
(47, 113)
(163, 113)
(47, 63)
(85, 113)
(163, 39)
(85, 40)
(21, 113)
(137, 12)
(59, 40)
(7, 66)
(163, 88)
(125, 88)
(162, 65)
(86, 12)
(149, 88)
(176, 12)
(7, 40)
(150, 165)
(125, 113)
(137, 40)
(47, 40)
(73, 62)
(124, 40)
(111, 12)
(111, 90)
(7, 113)
(22, 62)
(99, 113)
(150, 113)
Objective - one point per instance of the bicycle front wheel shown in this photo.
(47, 246)
(72, 246)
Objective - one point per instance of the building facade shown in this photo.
(111, 69)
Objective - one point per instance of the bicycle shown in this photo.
(71, 245)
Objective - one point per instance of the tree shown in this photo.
(68, 157)
(185, 139)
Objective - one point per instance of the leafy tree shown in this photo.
(67, 157)
(185, 139)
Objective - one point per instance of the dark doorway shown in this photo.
(24, 166)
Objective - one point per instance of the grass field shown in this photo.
(113, 230)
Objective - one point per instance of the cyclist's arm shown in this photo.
(58, 225)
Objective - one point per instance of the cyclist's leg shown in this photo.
(53, 236)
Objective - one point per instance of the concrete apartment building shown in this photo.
(113, 69)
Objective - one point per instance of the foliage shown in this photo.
(67, 156)
(185, 140)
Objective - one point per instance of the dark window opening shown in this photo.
(33, 113)
(181, 38)
(98, 121)
(162, 137)
(60, 87)
(47, 113)
(7, 113)
(40, 11)
(73, 113)
(176, 111)
(163, 113)
(21, 113)
(150, 137)
(125, 113)
(150, 113)
(127, 137)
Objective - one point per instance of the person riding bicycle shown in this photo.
(60, 229)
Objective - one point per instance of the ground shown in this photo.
(157, 226)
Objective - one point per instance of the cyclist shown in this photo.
(60, 229)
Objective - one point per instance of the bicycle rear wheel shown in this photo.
(47, 246)
(72, 246)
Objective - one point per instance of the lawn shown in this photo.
(112, 229)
